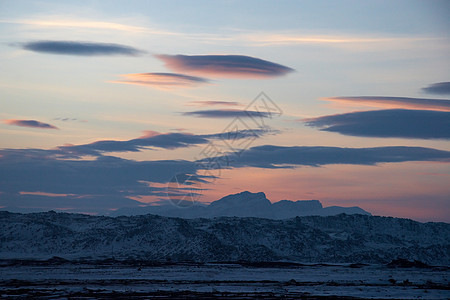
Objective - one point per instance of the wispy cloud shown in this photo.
(163, 80)
(440, 88)
(80, 48)
(240, 37)
(273, 157)
(232, 66)
(227, 113)
(394, 102)
(420, 124)
(335, 39)
(30, 123)
(71, 22)
(67, 119)
(213, 103)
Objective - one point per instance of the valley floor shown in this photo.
(221, 280)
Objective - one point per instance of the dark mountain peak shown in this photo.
(244, 204)
(241, 198)
(305, 205)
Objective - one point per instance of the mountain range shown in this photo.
(337, 239)
(244, 204)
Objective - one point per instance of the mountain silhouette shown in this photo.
(244, 204)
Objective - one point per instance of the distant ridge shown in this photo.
(333, 239)
(244, 204)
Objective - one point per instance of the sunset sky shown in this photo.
(102, 103)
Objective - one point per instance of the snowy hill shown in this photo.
(341, 238)
(245, 204)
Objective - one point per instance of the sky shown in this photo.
(110, 104)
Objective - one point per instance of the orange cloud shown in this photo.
(394, 102)
(163, 80)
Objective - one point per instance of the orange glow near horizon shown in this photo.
(379, 190)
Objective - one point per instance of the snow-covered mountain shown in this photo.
(245, 204)
(341, 238)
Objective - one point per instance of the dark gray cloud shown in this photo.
(110, 182)
(399, 123)
(395, 102)
(273, 157)
(106, 175)
(224, 65)
(440, 88)
(154, 139)
(30, 123)
(47, 176)
(80, 48)
(38, 178)
(82, 186)
(227, 113)
(150, 140)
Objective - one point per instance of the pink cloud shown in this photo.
(149, 134)
(394, 102)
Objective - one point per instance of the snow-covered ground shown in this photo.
(70, 256)
(231, 281)
(312, 239)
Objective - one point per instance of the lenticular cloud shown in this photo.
(81, 48)
(395, 102)
(30, 123)
(231, 66)
(398, 123)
